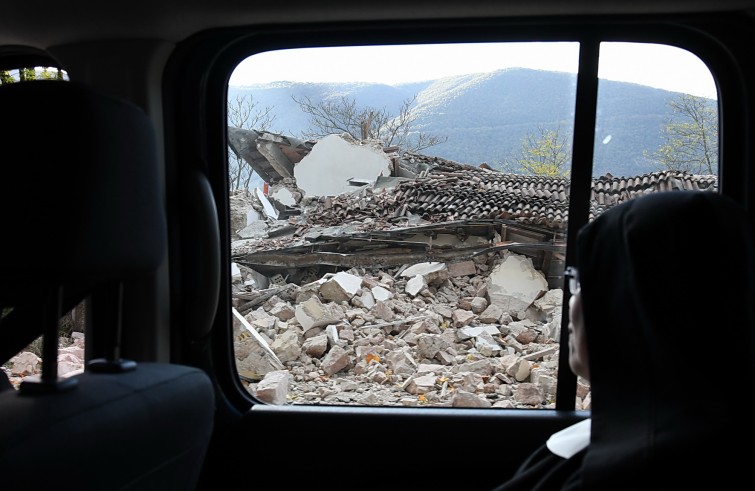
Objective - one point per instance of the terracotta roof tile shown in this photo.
(449, 191)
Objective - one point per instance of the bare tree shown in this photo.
(690, 137)
(344, 116)
(243, 112)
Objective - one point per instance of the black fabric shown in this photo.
(668, 289)
(80, 199)
(113, 431)
(4, 382)
(668, 283)
(81, 211)
(543, 471)
(79, 185)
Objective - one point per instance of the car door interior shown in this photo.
(91, 219)
(114, 195)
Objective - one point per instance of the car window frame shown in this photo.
(231, 46)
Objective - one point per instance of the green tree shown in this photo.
(50, 74)
(25, 74)
(33, 73)
(245, 113)
(690, 136)
(6, 77)
(542, 153)
(344, 116)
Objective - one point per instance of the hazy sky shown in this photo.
(654, 65)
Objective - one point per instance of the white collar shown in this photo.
(570, 440)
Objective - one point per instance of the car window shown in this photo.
(398, 231)
(32, 73)
(665, 129)
(28, 361)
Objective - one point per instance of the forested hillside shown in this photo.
(486, 116)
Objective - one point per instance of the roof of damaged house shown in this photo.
(403, 217)
(440, 190)
(271, 155)
(437, 248)
(448, 191)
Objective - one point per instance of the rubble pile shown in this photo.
(447, 196)
(27, 363)
(412, 284)
(431, 334)
(351, 309)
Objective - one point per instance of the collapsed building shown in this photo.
(343, 203)
(369, 277)
(431, 281)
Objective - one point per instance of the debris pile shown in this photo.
(419, 281)
(471, 333)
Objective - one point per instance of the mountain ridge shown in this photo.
(486, 115)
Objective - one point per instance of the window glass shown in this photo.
(398, 229)
(656, 127)
(28, 362)
(32, 73)
(661, 131)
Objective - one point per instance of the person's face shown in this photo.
(577, 340)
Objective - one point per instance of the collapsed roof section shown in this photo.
(272, 156)
(413, 185)
(346, 203)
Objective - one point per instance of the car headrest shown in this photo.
(80, 198)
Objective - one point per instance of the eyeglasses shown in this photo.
(573, 275)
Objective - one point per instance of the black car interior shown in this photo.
(123, 423)
(114, 194)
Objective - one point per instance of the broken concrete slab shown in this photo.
(335, 360)
(461, 268)
(514, 284)
(255, 230)
(341, 287)
(275, 361)
(415, 285)
(380, 293)
(335, 160)
(273, 389)
(313, 313)
(434, 273)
